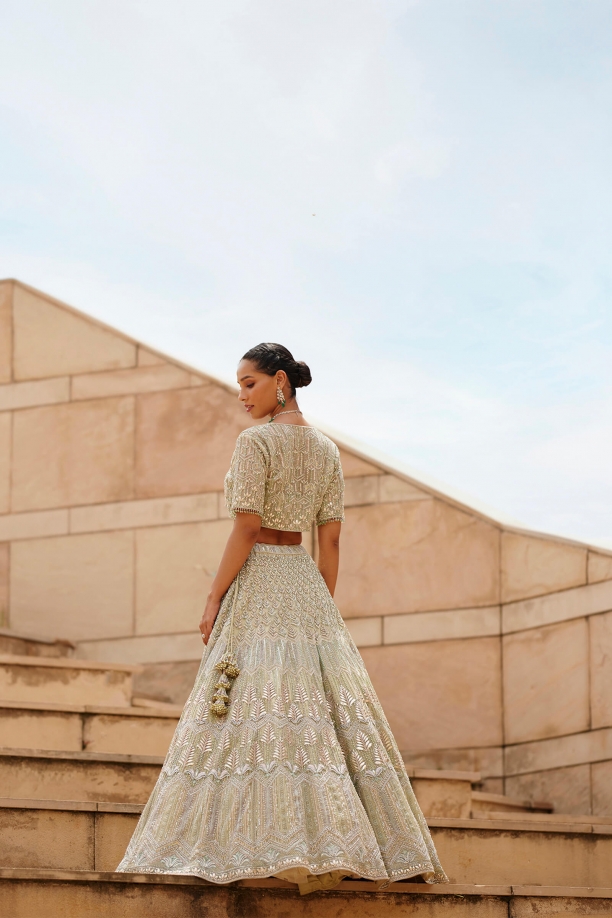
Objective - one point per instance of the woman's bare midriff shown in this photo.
(279, 537)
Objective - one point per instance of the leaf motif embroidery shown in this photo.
(345, 697)
(249, 694)
(268, 735)
(256, 755)
(309, 737)
(258, 709)
(362, 741)
(277, 708)
(205, 744)
(318, 697)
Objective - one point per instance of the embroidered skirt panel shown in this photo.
(302, 778)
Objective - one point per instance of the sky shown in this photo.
(414, 197)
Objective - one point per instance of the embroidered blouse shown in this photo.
(289, 475)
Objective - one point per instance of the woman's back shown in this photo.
(289, 474)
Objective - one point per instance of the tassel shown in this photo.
(228, 667)
(218, 708)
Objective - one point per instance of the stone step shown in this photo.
(73, 728)
(76, 835)
(147, 727)
(569, 818)
(61, 893)
(121, 778)
(12, 642)
(65, 681)
(85, 776)
(485, 803)
(443, 793)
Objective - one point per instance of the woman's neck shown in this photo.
(290, 414)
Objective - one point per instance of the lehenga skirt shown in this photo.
(301, 778)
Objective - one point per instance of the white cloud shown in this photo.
(160, 166)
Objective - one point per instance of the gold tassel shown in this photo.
(228, 667)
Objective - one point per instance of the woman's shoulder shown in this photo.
(327, 442)
(248, 433)
(250, 438)
(263, 433)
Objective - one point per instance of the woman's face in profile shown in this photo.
(258, 390)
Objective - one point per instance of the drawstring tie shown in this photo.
(227, 666)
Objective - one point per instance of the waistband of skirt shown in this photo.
(279, 549)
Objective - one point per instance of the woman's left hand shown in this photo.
(208, 618)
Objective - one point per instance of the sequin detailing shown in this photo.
(290, 475)
(303, 776)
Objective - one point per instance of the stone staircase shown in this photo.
(79, 756)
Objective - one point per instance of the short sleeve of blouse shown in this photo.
(332, 506)
(246, 480)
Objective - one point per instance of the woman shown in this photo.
(283, 763)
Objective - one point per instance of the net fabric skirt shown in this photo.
(302, 778)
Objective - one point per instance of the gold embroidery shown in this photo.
(304, 774)
(289, 475)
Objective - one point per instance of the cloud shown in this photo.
(160, 166)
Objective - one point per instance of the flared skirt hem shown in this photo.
(315, 878)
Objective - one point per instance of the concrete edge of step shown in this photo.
(435, 774)
(446, 889)
(537, 818)
(117, 758)
(434, 822)
(164, 713)
(516, 824)
(36, 639)
(9, 659)
(517, 802)
(71, 806)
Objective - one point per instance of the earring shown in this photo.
(280, 397)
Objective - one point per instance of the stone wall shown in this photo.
(490, 647)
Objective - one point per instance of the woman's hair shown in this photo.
(270, 358)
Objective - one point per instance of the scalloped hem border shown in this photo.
(382, 882)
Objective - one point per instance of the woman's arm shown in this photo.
(242, 538)
(329, 553)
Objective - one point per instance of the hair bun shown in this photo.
(303, 372)
(270, 358)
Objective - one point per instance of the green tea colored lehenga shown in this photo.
(301, 778)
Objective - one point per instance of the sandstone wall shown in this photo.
(490, 648)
